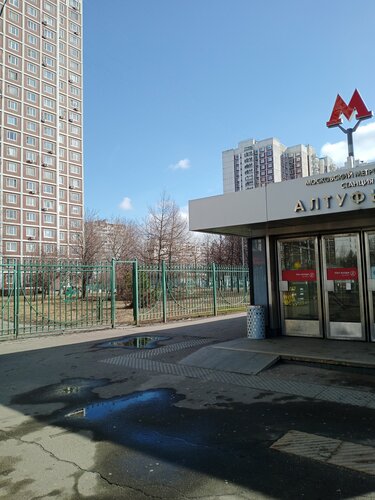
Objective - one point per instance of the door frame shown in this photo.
(318, 285)
(361, 283)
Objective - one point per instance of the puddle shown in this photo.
(142, 342)
(69, 390)
(103, 410)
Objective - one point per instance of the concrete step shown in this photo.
(230, 361)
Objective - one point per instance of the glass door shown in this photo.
(370, 259)
(299, 287)
(343, 295)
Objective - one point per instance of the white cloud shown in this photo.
(181, 165)
(184, 213)
(364, 146)
(126, 204)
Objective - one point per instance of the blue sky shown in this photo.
(170, 84)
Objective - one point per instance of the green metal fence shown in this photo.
(41, 297)
(166, 293)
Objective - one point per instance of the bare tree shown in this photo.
(165, 233)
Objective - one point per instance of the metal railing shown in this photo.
(41, 297)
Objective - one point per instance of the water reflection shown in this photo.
(141, 342)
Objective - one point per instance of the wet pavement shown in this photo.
(74, 427)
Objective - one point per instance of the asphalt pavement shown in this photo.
(88, 416)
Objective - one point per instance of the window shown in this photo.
(48, 189)
(30, 247)
(48, 103)
(31, 96)
(31, 216)
(48, 160)
(48, 248)
(49, 20)
(48, 61)
(11, 246)
(11, 230)
(49, 175)
(31, 126)
(76, 183)
(48, 145)
(49, 131)
(32, 25)
(12, 75)
(11, 198)
(12, 120)
(31, 187)
(12, 105)
(49, 204)
(13, 30)
(62, 221)
(30, 201)
(11, 151)
(13, 45)
(11, 182)
(49, 218)
(48, 233)
(32, 11)
(75, 209)
(13, 60)
(75, 156)
(75, 197)
(30, 111)
(13, 16)
(48, 89)
(49, 75)
(33, 54)
(32, 39)
(74, 169)
(11, 166)
(49, 47)
(31, 82)
(11, 136)
(30, 232)
(62, 208)
(49, 117)
(50, 35)
(31, 67)
(10, 214)
(12, 90)
(30, 156)
(30, 141)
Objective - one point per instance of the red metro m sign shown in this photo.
(341, 108)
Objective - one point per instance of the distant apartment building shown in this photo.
(257, 163)
(41, 175)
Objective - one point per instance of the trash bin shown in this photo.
(256, 322)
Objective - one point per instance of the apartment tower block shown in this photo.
(41, 177)
(257, 163)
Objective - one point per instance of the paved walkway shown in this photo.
(340, 352)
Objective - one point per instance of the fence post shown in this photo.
(113, 293)
(135, 293)
(16, 288)
(214, 288)
(164, 290)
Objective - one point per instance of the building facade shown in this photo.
(311, 245)
(41, 155)
(257, 163)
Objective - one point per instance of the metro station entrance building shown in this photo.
(311, 250)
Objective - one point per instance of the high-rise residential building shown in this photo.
(257, 163)
(41, 183)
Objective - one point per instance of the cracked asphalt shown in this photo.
(73, 427)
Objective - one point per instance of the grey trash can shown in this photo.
(256, 322)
